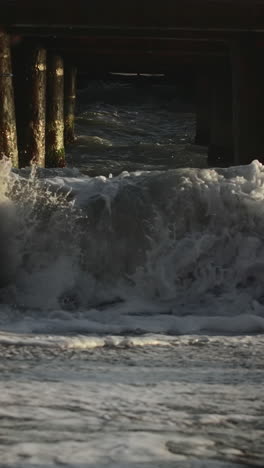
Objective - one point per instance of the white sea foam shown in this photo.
(145, 252)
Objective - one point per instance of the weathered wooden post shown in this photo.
(69, 103)
(221, 151)
(248, 100)
(37, 124)
(8, 135)
(30, 99)
(203, 107)
(55, 152)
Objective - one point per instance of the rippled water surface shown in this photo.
(194, 403)
(124, 127)
(132, 296)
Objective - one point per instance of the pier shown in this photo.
(44, 45)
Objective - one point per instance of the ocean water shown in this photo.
(132, 296)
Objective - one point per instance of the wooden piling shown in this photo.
(221, 150)
(203, 107)
(248, 99)
(8, 135)
(55, 152)
(69, 103)
(37, 124)
(30, 100)
(21, 67)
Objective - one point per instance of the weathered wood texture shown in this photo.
(248, 101)
(8, 136)
(37, 102)
(30, 95)
(69, 103)
(55, 152)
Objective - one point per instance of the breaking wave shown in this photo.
(169, 252)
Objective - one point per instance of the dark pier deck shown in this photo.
(42, 44)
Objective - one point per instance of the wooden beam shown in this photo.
(136, 43)
(142, 63)
(59, 31)
(187, 14)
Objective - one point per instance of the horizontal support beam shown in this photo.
(166, 46)
(70, 31)
(237, 15)
(140, 54)
(140, 64)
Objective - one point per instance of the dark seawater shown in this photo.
(125, 126)
(132, 295)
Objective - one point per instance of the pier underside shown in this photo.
(190, 14)
(206, 39)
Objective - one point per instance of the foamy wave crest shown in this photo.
(162, 252)
(39, 246)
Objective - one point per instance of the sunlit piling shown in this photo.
(8, 135)
(37, 124)
(55, 151)
(69, 103)
(30, 98)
